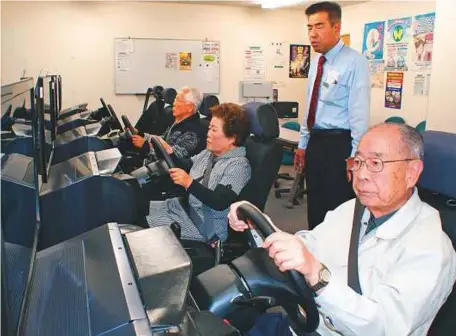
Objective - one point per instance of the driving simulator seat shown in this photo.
(264, 153)
(437, 187)
(207, 103)
(148, 119)
(167, 118)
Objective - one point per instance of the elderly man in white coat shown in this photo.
(406, 263)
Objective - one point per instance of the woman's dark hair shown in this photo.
(235, 121)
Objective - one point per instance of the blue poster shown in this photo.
(374, 34)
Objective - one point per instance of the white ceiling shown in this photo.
(255, 3)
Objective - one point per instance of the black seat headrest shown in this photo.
(169, 95)
(157, 92)
(439, 163)
(207, 103)
(263, 120)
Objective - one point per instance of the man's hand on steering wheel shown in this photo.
(238, 224)
(165, 145)
(289, 253)
(137, 141)
(233, 219)
(180, 177)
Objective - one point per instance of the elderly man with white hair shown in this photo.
(379, 264)
(186, 135)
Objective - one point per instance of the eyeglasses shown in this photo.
(374, 165)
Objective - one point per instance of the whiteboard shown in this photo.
(141, 63)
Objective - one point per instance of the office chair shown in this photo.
(207, 103)
(421, 127)
(297, 190)
(395, 119)
(288, 154)
(437, 187)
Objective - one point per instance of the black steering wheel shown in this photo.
(310, 321)
(113, 115)
(162, 153)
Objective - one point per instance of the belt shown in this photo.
(329, 131)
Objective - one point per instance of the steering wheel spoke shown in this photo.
(305, 315)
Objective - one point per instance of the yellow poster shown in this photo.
(346, 39)
(185, 61)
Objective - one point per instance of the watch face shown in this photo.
(325, 275)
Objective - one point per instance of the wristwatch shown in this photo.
(324, 275)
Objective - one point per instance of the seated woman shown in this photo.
(215, 179)
(187, 135)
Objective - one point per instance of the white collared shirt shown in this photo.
(407, 268)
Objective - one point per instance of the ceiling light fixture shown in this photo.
(271, 4)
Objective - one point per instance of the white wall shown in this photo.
(84, 47)
(414, 108)
(84, 43)
(442, 107)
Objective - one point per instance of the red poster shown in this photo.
(393, 90)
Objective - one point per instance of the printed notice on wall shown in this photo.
(123, 61)
(254, 63)
(210, 51)
(421, 82)
(125, 46)
(377, 73)
(279, 59)
(171, 60)
(393, 90)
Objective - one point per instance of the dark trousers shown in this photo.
(326, 177)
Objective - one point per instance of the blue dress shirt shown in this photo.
(344, 97)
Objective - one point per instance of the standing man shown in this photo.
(337, 113)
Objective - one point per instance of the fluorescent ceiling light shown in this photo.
(278, 3)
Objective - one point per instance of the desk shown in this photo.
(291, 139)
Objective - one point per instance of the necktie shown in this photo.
(371, 224)
(315, 93)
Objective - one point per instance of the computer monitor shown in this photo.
(53, 103)
(39, 141)
(19, 234)
(286, 109)
(59, 94)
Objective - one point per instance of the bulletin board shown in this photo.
(141, 63)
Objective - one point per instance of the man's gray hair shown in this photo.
(193, 96)
(412, 140)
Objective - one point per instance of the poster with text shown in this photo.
(421, 83)
(185, 61)
(254, 63)
(171, 61)
(279, 60)
(399, 30)
(393, 90)
(377, 73)
(397, 57)
(423, 41)
(299, 61)
(210, 51)
(373, 39)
